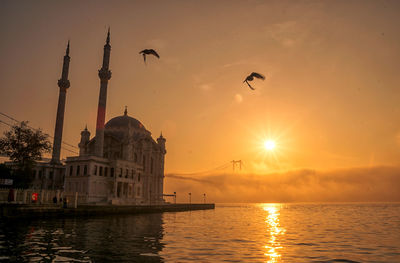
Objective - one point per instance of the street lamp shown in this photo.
(175, 197)
(204, 198)
(190, 198)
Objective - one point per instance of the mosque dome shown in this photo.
(124, 121)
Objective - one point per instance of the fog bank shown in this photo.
(372, 184)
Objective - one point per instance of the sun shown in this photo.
(269, 145)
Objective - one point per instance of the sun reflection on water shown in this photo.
(273, 247)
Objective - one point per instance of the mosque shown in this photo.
(121, 164)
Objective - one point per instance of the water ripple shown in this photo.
(230, 233)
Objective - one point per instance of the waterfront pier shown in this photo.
(45, 211)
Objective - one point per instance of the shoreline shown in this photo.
(15, 211)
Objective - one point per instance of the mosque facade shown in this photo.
(131, 170)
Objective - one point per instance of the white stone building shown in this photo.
(131, 170)
(122, 164)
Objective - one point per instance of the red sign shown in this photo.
(35, 197)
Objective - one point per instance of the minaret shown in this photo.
(64, 84)
(159, 180)
(161, 142)
(85, 137)
(104, 75)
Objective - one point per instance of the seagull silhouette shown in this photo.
(251, 78)
(145, 52)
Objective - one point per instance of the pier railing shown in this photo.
(38, 196)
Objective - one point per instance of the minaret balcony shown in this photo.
(104, 74)
(63, 83)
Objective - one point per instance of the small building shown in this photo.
(46, 175)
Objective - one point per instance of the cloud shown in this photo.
(236, 63)
(238, 98)
(173, 63)
(168, 128)
(288, 33)
(187, 178)
(398, 138)
(206, 87)
(380, 184)
(157, 43)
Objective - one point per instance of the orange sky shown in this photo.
(330, 100)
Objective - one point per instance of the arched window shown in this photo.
(112, 171)
(71, 168)
(85, 170)
(78, 170)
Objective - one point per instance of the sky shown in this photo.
(329, 101)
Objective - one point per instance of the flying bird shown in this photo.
(251, 78)
(145, 52)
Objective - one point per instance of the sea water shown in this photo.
(361, 232)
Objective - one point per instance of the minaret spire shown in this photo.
(108, 37)
(67, 51)
(105, 76)
(63, 84)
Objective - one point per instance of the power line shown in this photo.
(225, 165)
(6, 123)
(66, 149)
(8, 117)
(36, 129)
(69, 150)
